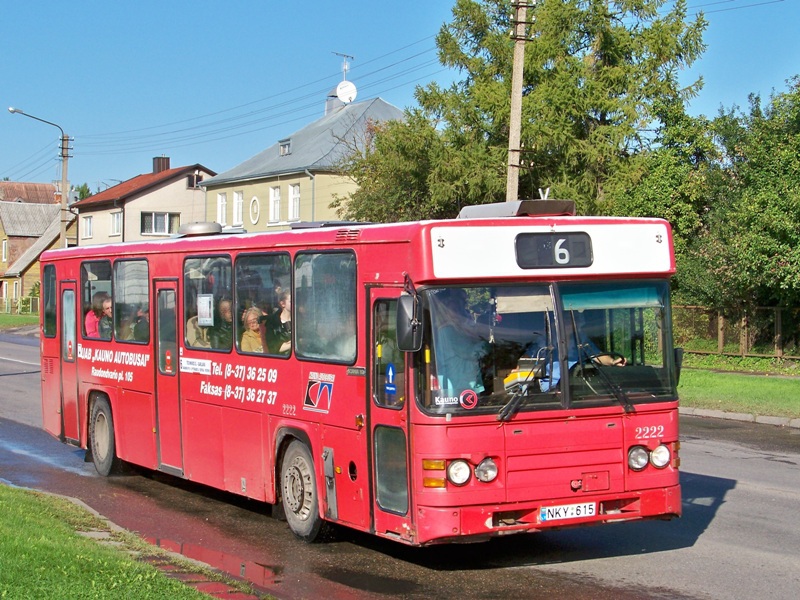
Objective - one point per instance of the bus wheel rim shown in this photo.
(101, 436)
(298, 488)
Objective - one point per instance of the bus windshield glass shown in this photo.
(521, 348)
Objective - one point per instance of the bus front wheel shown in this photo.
(299, 495)
(102, 439)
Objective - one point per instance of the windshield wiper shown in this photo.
(511, 407)
(618, 392)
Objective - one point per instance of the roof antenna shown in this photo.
(346, 90)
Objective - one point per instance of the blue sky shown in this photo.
(216, 82)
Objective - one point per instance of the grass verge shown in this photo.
(10, 321)
(43, 556)
(761, 395)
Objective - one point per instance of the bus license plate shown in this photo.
(567, 511)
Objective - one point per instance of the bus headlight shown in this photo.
(486, 471)
(638, 457)
(458, 472)
(660, 457)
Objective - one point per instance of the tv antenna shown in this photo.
(346, 90)
(345, 64)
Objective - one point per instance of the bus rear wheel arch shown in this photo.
(300, 493)
(102, 440)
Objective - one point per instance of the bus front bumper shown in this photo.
(476, 523)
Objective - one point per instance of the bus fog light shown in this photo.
(486, 471)
(637, 458)
(660, 457)
(458, 472)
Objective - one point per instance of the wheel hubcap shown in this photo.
(297, 488)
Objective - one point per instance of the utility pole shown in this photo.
(515, 117)
(64, 179)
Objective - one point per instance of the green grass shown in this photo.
(9, 321)
(761, 395)
(742, 384)
(42, 556)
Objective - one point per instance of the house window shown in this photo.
(294, 202)
(193, 180)
(222, 209)
(116, 223)
(238, 203)
(87, 227)
(285, 147)
(5, 250)
(158, 223)
(274, 204)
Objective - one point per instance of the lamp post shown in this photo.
(64, 180)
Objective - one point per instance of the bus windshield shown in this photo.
(552, 346)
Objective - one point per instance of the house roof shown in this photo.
(138, 185)
(31, 255)
(40, 193)
(318, 146)
(24, 219)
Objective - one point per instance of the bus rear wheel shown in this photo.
(101, 436)
(299, 495)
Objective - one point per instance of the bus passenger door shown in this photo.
(70, 411)
(168, 407)
(389, 419)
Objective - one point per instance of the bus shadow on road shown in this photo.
(703, 496)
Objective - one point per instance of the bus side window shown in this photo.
(389, 371)
(207, 306)
(95, 290)
(131, 301)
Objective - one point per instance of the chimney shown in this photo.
(160, 163)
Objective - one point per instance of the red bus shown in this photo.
(508, 371)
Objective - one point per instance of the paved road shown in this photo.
(739, 537)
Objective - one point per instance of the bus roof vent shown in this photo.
(348, 235)
(199, 228)
(519, 208)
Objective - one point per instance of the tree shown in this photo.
(752, 243)
(594, 74)
(83, 191)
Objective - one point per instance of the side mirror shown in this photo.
(678, 364)
(409, 328)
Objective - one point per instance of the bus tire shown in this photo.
(299, 494)
(102, 439)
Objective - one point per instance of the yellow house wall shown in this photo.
(315, 199)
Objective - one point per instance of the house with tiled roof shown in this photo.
(297, 177)
(26, 230)
(37, 193)
(148, 206)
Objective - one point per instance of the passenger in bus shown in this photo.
(222, 333)
(92, 321)
(251, 337)
(106, 324)
(459, 346)
(278, 326)
(141, 329)
(197, 336)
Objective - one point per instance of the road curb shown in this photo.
(744, 417)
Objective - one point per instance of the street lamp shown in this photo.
(64, 180)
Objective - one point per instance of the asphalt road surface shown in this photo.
(739, 536)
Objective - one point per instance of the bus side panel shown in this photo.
(243, 452)
(351, 477)
(135, 428)
(203, 443)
